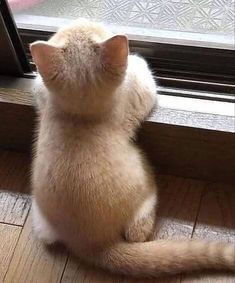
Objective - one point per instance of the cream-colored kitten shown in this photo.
(93, 189)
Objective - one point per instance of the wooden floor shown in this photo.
(188, 209)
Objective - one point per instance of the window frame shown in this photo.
(176, 67)
(13, 58)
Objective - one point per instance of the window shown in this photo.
(191, 22)
(189, 43)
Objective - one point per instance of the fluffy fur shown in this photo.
(93, 189)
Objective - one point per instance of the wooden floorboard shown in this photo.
(14, 184)
(187, 208)
(14, 207)
(8, 238)
(34, 263)
(178, 206)
(216, 221)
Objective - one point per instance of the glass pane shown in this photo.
(207, 23)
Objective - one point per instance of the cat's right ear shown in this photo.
(43, 54)
(115, 51)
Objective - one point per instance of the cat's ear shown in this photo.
(43, 54)
(115, 51)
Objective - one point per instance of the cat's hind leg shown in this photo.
(41, 227)
(142, 227)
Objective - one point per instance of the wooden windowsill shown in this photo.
(178, 111)
(186, 136)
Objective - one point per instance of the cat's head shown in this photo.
(81, 65)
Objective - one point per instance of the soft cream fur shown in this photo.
(93, 189)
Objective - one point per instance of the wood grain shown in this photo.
(14, 207)
(209, 278)
(178, 206)
(14, 171)
(190, 152)
(17, 96)
(33, 262)
(216, 221)
(8, 238)
(14, 182)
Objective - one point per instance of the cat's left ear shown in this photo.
(115, 51)
(43, 54)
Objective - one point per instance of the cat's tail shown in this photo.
(151, 259)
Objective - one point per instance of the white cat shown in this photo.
(93, 188)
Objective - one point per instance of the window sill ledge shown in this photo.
(180, 138)
(174, 110)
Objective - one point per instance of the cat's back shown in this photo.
(90, 164)
(84, 151)
(63, 136)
